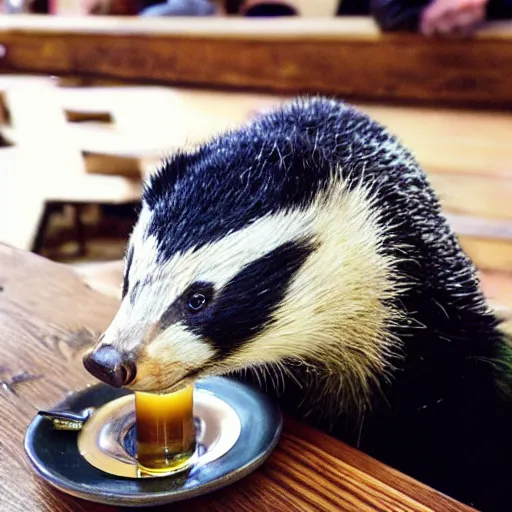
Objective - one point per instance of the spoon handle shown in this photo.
(67, 420)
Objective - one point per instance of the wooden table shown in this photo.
(47, 314)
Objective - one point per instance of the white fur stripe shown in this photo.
(222, 260)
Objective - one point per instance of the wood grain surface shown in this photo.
(47, 314)
(345, 57)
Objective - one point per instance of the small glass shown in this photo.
(166, 435)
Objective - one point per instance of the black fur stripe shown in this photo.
(226, 186)
(245, 305)
(128, 264)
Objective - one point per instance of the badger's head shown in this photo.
(254, 250)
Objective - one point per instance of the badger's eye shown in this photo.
(197, 301)
(198, 296)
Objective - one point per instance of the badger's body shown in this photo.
(306, 252)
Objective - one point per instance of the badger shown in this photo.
(305, 252)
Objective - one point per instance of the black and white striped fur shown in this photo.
(317, 253)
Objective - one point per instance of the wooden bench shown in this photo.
(347, 57)
(44, 163)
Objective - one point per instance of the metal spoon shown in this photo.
(68, 420)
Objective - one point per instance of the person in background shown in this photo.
(438, 17)
(150, 7)
(303, 8)
(179, 8)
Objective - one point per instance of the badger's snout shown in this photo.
(110, 365)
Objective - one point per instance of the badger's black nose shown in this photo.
(110, 365)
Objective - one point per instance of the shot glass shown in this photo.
(165, 431)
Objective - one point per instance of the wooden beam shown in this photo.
(343, 57)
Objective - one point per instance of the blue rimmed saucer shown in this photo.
(91, 455)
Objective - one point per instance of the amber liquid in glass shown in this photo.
(166, 436)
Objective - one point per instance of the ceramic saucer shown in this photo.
(91, 455)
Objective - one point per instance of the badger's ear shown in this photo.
(161, 183)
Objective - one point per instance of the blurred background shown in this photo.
(94, 92)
